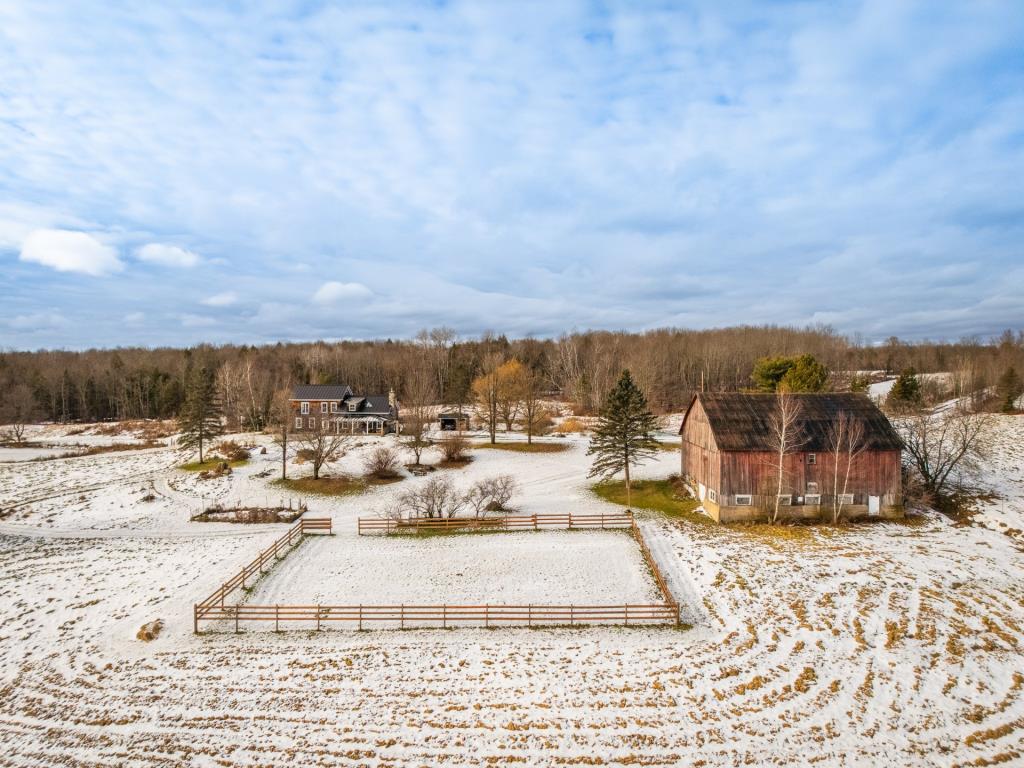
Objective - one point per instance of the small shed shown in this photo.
(453, 421)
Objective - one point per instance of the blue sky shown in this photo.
(175, 173)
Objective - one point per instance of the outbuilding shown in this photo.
(453, 421)
(729, 457)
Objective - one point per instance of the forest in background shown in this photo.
(669, 365)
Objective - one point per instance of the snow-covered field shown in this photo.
(885, 644)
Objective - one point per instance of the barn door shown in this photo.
(874, 503)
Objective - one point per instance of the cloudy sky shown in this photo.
(260, 171)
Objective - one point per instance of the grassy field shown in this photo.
(665, 496)
(324, 486)
(199, 466)
(524, 447)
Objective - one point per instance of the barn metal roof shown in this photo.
(740, 421)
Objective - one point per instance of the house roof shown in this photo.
(321, 392)
(741, 422)
(375, 404)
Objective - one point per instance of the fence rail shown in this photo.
(408, 616)
(268, 556)
(503, 523)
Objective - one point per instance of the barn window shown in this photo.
(713, 495)
(304, 407)
(785, 499)
(812, 488)
(846, 498)
(323, 407)
(812, 458)
(744, 500)
(298, 422)
(812, 499)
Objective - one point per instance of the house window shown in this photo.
(298, 422)
(713, 495)
(812, 488)
(304, 408)
(323, 407)
(334, 407)
(351, 407)
(846, 498)
(312, 423)
(744, 499)
(785, 499)
(812, 499)
(812, 458)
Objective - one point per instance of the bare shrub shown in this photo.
(570, 425)
(437, 498)
(232, 451)
(150, 630)
(454, 448)
(382, 463)
(492, 494)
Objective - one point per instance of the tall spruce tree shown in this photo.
(622, 438)
(1009, 389)
(906, 391)
(200, 417)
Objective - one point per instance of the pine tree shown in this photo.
(1009, 390)
(906, 391)
(623, 436)
(200, 418)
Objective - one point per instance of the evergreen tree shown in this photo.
(200, 418)
(805, 375)
(906, 391)
(769, 372)
(1009, 389)
(622, 438)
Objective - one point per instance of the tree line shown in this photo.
(668, 365)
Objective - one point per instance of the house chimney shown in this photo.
(391, 397)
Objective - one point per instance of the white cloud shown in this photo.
(225, 299)
(197, 321)
(38, 321)
(167, 255)
(68, 251)
(333, 291)
(135, 318)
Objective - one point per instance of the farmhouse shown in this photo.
(339, 410)
(728, 457)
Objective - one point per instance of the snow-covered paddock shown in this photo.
(555, 567)
(873, 645)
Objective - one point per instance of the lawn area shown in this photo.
(524, 447)
(665, 496)
(324, 486)
(208, 464)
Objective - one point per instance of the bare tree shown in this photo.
(511, 385)
(421, 393)
(491, 494)
(487, 393)
(454, 447)
(785, 435)
(18, 408)
(282, 415)
(846, 442)
(940, 446)
(534, 414)
(436, 498)
(321, 445)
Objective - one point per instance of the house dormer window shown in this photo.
(304, 407)
(351, 407)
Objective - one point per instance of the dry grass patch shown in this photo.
(209, 465)
(341, 485)
(524, 447)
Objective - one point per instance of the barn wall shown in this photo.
(700, 461)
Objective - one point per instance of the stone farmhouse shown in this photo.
(337, 409)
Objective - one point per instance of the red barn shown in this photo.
(729, 458)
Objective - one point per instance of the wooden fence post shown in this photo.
(444, 617)
(236, 620)
(318, 617)
(360, 616)
(401, 616)
(487, 615)
(571, 617)
(195, 619)
(277, 618)
(529, 615)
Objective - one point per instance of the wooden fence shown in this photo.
(214, 608)
(270, 555)
(409, 616)
(503, 523)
